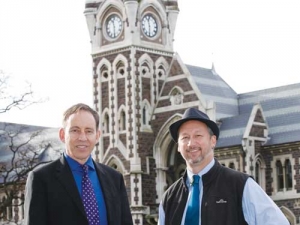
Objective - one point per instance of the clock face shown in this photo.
(114, 26)
(149, 25)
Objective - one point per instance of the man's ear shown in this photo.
(98, 135)
(213, 141)
(62, 134)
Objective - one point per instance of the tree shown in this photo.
(22, 148)
(10, 100)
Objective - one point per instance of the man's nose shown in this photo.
(191, 142)
(82, 136)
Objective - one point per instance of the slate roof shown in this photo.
(232, 130)
(280, 105)
(214, 88)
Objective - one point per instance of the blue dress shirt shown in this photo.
(78, 173)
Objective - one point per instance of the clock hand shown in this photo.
(149, 29)
(114, 29)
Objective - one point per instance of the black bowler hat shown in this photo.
(193, 114)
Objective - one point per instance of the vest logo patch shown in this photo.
(221, 201)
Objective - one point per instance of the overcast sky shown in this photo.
(253, 44)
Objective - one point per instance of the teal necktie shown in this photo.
(192, 212)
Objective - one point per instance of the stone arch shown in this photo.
(102, 75)
(260, 171)
(289, 215)
(161, 71)
(161, 64)
(120, 62)
(118, 5)
(279, 186)
(146, 69)
(176, 96)
(122, 118)
(105, 124)
(166, 155)
(115, 163)
(157, 7)
(146, 112)
(146, 65)
(118, 90)
(104, 63)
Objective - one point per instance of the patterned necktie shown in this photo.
(192, 212)
(89, 198)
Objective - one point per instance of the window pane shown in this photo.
(288, 175)
(279, 170)
(257, 172)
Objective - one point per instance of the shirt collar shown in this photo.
(201, 173)
(74, 165)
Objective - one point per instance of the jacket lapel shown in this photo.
(64, 175)
(108, 191)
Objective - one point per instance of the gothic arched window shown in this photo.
(122, 124)
(257, 172)
(106, 123)
(279, 173)
(288, 175)
(145, 115)
(120, 68)
(161, 71)
(104, 72)
(145, 69)
(176, 97)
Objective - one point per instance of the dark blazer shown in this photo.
(52, 197)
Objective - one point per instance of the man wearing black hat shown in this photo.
(209, 193)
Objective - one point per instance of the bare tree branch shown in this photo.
(11, 100)
(20, 149)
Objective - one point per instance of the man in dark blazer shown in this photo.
(54, 192)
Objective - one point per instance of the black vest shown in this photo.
(221, 201)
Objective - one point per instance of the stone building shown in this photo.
(141, 86)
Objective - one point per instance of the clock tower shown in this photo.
(132, 53)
